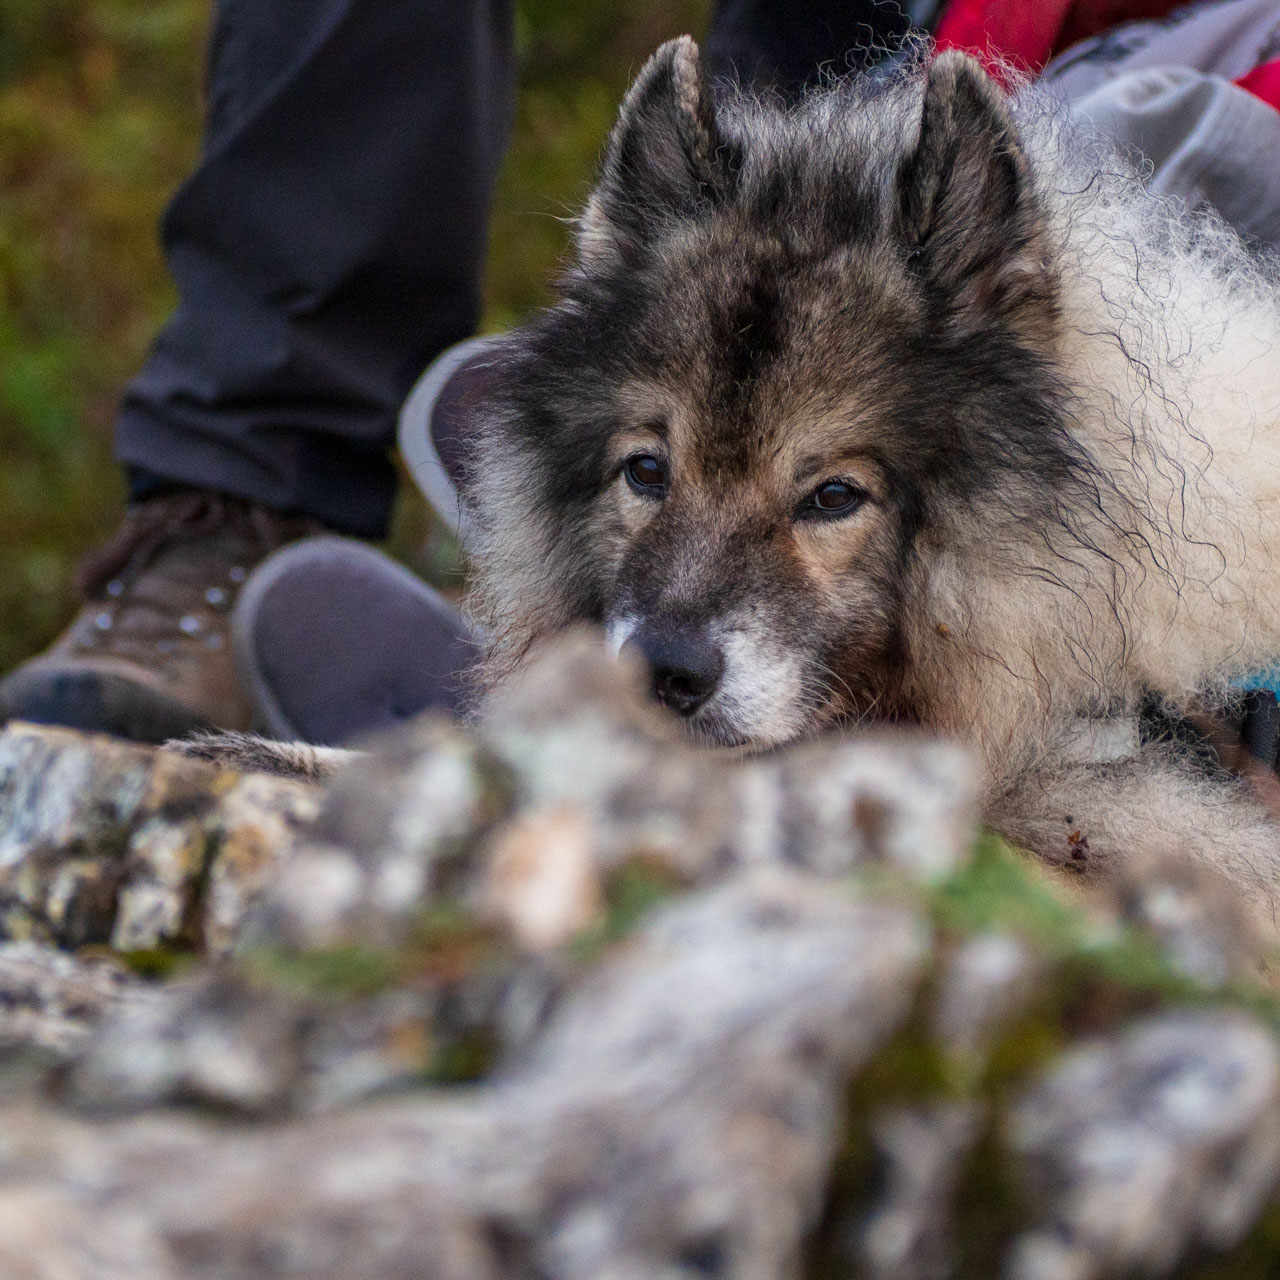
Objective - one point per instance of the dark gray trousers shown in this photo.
(330, 241)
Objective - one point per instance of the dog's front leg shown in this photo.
(1089, 817)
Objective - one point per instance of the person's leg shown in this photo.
(329, 242)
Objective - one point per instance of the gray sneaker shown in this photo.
(333, 640)
(436, 422)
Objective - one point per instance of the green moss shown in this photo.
(445, 945)
(911, 1069)
(831, 1249)
(467, 1058)
(333, 972)
(634, 889)
(631, 891)
(443, 924)
(1090, 963)
(989, 1207)
(1092, 977)
(158, 963)
(1000, 888)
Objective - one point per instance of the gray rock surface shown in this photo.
(104, 842)
(513, 844)
(642, 1136)
(562, 996)
(51, 1002)
(1163, 1136)
(909, 1232)
(573, 777)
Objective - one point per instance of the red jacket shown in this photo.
(1027, 33)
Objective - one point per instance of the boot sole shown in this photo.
(95, 702)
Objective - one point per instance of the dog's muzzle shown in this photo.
(685, 666)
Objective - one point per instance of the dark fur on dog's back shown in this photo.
(1036, 382)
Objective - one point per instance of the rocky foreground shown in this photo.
(564, 997)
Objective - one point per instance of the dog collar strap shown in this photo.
(1267, 681)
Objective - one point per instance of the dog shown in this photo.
(905, 403)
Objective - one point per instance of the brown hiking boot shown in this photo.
(149, 656)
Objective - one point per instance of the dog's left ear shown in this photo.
(967, 207)
(665, 158)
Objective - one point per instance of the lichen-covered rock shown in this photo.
(50, 1001)
(395, 829)
(562, 995)
(202, 1041)
(456, 872)
(756, 1082)
(986, 983)
(1163, 1136)
(909, 1231)
(577, 730)
(573, 776)
(1209, 931)
(645, 1135)
(103, 841)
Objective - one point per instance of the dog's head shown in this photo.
(797, 348)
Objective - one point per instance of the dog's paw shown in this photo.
(247, 753)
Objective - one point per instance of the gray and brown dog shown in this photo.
(906, 402)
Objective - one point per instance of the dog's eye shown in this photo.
(832, 499)
(646, 474)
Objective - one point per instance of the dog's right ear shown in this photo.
(665, 159)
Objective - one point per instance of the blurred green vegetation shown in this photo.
(99, 121)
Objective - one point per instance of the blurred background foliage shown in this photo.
(99, 121)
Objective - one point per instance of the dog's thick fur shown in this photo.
(1056, 397)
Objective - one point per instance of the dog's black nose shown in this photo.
(686, 667)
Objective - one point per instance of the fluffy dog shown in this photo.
(905, 403)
